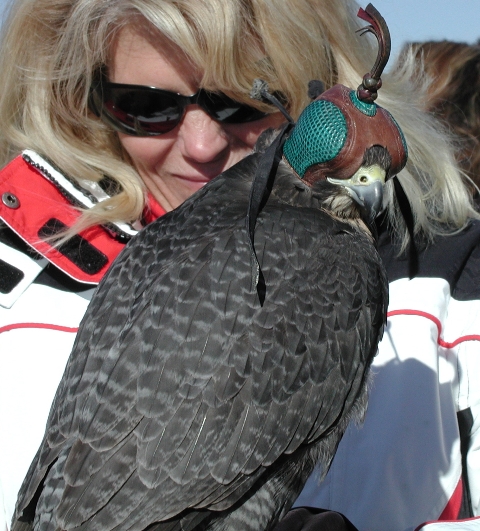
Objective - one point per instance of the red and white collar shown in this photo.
(36, 200)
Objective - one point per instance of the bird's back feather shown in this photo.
(182, 391)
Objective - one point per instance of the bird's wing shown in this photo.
(181, 388)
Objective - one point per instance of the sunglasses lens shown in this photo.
(140, 111)
(229, 111)
(144, 111)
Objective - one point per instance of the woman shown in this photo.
(128, 169)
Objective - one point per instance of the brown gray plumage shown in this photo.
(186, 402)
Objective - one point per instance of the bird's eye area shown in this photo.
(364, 179)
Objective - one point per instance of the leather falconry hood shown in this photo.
(335, 130)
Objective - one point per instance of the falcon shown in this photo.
(228, 347)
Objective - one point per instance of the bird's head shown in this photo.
(344, 145)
(346, 149)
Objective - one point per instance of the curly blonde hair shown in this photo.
(51, 50)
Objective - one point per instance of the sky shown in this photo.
(457, 20)
(422, 20)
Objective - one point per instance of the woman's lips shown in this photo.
(194, 181)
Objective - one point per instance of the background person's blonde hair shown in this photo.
(52, 48)
(450, 74)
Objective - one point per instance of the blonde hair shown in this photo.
(51, 49)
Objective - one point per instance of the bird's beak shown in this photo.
(365, 187)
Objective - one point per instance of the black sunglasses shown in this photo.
(148, 111)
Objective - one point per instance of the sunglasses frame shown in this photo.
(101, 86)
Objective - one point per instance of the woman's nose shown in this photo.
(202, 138)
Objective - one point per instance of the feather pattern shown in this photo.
(183, 393)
